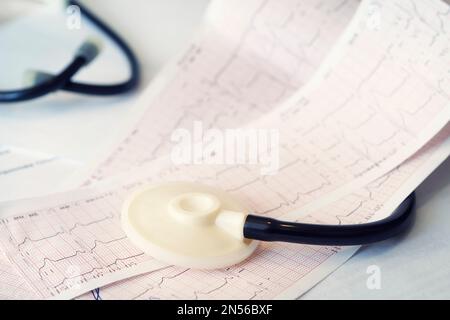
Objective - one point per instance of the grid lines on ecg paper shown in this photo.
(13, 286)
(209, 89)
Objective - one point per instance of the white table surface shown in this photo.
(416, 265)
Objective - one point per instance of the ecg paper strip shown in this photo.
(380, 96)
(286, 270)
(75, 243)
(249, 57)
(314, 33)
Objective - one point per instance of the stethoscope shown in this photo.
(44, 83)
(194, 225)
(200, 226)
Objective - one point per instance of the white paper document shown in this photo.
(25, 173)
(362, 110)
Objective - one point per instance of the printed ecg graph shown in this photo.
(209, 61)
(383, 90)
(227, 80)
(274, 268)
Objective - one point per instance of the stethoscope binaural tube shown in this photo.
(268, 229)
(46, 83)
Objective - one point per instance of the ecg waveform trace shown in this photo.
(233, 75)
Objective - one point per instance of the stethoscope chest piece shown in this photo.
(187, 224)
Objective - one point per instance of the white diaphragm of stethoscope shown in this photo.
(187, 224)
